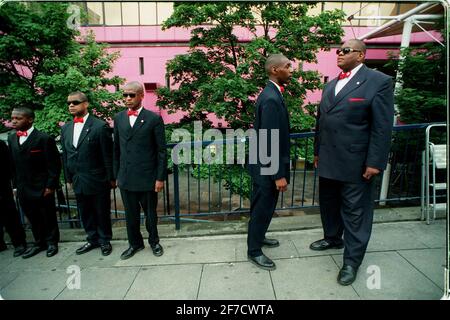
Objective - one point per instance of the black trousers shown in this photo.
(346, 210)
(41, 214)
(10, 219)
(263, 203)
(133, 201)
(95, 211)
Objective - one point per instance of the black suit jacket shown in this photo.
(88, 166)
(37, 164)
(5, 169)
(140, 156)
(271, 113)
(354, 128)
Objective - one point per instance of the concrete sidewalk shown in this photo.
(408, 256)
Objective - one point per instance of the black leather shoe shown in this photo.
(106, 249)
(324, 244)
(157, 250)
(130, 252)
(270, 243)
(262, 262)
(19, 250)
(32, 252)
(86, 248)
(347, 275)
(52, 250)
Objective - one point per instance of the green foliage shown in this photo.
(223, 76)
(422, 97)
(41, 63)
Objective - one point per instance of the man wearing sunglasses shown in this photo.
(140, 166)
(87, 155)
(352, 143)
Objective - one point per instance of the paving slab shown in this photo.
(172, 282)
(309, 278)
(7, 277)
(101, 284)
(285, 250)
(432, 235)
(431, 262)
(35, 285)
(398, 279)
(235, 281)
(303, 239)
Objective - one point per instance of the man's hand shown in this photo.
(48, 192)
(316, 161)
(113, 184)
(281, 184)
(159, 185)
(370, 172)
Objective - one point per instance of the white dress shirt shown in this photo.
(77, 128)
(133, 118)
(341, 83)
(22, 139)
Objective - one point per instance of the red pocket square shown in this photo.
(35, 151)
(356, 99)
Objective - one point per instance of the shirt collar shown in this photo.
(276, 85)
(29, 131)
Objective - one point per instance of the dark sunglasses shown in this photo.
(74, 102)
(346, 51)
(131, 95)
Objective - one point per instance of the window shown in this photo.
(315, 10)
(388, 9)
(404, 7)
(113, 15)
(329, 6)
(130, 13)
(95, 13)
(369, 9)
(147, 13)
(165, 10)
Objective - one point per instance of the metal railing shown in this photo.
(204, 192)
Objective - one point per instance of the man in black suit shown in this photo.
(9, 217)
(352, 143)
(271, 115)
(87, 154)
(37, 167)
(140, 166)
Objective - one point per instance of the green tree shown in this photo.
(41, 62)
(224, 76)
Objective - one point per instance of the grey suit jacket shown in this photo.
(353, 128)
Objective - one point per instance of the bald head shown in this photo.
(135, 86)
(275, 60)
(357, 44)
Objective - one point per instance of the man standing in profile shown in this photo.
(352, 143)
(140, 166)
(87, 154)
(9, 217)
(37, 167)
(271, 116)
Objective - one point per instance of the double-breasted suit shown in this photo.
(37, 166)
(353, 132)
(140, 158)
(89, 168)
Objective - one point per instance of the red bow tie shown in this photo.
(281, 89)
(132, 113)
(21, 133)
(344, 75)
(78, 120)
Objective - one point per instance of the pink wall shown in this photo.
(157, 47)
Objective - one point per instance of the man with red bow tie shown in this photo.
(87, 155)
(352, 143)
(140, 166)
(37, 167)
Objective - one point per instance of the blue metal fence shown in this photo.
(200, 193)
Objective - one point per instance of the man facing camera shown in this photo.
(352, 143)
(140, 166)
(87, 154)
(37, 167)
